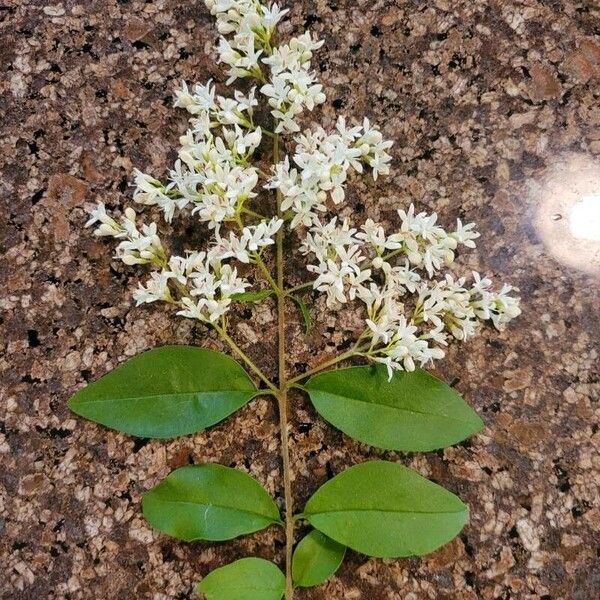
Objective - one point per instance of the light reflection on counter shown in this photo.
(567, 219)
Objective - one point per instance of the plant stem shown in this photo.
(244, 356)
(253, 214)
(323, 366)
(282, 399)
(304, 286)
(265, 270)
(297, 288)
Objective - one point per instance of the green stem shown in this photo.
(304, 286)
(260, 263)
(325, 365)
(282, 400)
(244, 356)
(296, 288)
(393, 253)
(253, 214)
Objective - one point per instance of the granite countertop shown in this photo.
(494, 107)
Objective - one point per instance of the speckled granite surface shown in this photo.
(495, 109)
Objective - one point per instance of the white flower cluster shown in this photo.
(410, 315)
(358, 264)
(293, 87)
(201, 283)
(212, 172)
(251, 26)
(137, 248)
(322, 163)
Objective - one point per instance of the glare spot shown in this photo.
(584, 219)
(567, 197)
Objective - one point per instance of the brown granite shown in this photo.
(494, 106)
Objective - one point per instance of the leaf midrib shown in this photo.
(206, 505)
(177, 397)
(407, 410)
(251, 588)
(380, 510)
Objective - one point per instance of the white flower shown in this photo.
(240, 55)
(323, 161)
(150, 191)
(373, 149)
(137, 247)
(242, 144)
(498, 307)
(382, 331)
(108, 226)
(374, 234)
(156, 289)
(261, 235)
(297, 53)
(465, 234)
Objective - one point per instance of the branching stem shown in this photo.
(284, 384)
(334, 361)
(244, 356)
(260, 263)
(282, 400)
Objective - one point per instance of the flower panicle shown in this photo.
(413, 307)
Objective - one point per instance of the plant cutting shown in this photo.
(247, 210)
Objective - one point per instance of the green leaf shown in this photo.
(166, 392)
(316, 559)
(245, 579)
(305, 313)
(412, 412)
(383, 509)
(209, 502)
(253, 296)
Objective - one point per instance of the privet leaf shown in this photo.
(209, 502)
(316, 558)
(245, 579)
(383, 509)
(305, 313)
(166, 392)
(253, 296)
(412, 412)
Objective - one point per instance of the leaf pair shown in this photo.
(315, 559)
(178, 390)
(378, 508)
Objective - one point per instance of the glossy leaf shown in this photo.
(304, 312)
(245, 579)
(166, 392)
(253, 296)
(383, 509)
(412, 412)
(316, 558)
(209, 502)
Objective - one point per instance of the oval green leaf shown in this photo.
(316, 558)
(244, 579)
(253, 296)
(412, 412)
(209, 502)
(383, 509)
(166, 392)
